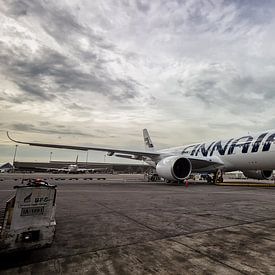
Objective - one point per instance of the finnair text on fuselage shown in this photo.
(244, 144)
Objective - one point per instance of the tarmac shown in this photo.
(121, 224)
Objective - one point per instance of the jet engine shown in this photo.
(258, 174)
(174, 168)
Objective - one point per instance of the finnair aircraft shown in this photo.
(253, 154)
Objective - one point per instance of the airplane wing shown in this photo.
(198, 163)
(111, 151)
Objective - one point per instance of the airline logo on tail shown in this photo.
(147, 139)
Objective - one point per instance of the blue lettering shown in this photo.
(268, 142)
(204, 151)
(218, 146)
(185, 151)
(194, 150)
(257, 143)
(244, 146)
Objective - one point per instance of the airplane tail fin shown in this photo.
(147, 141)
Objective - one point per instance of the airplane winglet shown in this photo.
(14, 139)
(10, 137)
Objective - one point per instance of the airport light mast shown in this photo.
(87, 155)
(14, 156)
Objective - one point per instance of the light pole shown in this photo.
(87, 159)
(51, 156)
(14, 156)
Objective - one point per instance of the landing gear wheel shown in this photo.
(218, 177)
(209, 179)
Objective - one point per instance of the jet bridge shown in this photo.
(28, 219)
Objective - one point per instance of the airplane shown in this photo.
(68, 169)
(74, 169)
(253, 154)
(6, 167)
(71, 169)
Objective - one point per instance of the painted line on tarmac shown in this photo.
(246, 184)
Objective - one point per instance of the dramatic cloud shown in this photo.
(47, 129)
(101, 71)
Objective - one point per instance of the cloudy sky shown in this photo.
(98, 72)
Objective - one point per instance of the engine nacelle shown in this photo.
(174, 168)
(259, 174)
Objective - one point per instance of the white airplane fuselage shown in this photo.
(248, 152)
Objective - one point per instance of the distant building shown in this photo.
(103, 167)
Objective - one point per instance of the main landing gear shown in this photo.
(216, 178)
(151, 175)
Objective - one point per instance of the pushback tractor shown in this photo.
(28, 219)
